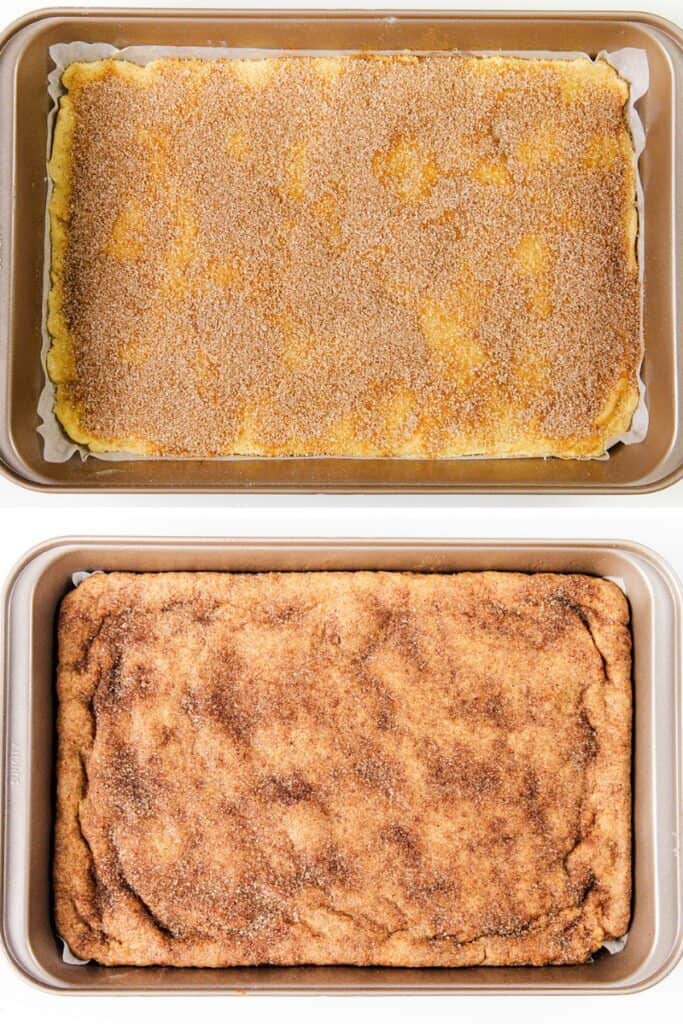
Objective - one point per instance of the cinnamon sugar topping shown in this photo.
(402, 256)
(360, 768)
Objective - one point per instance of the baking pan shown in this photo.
(24, 65)
(655, 940)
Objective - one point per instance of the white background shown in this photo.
(655, 520)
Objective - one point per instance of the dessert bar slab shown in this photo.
(368, 256)
(367, 768)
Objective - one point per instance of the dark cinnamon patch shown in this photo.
(322, 868)
(330, 632)
(489, 706)
(393, 626)
(224, 696)
(404, 842)
(134, 789)
(143, 678)
(224, 706)
(377, 773)
(588, 741)
(506, 924)
(282, 613)
(498, 833)
(538, 626)
(109, 692)
(459, 772)
(380, 702)
(534, 801)
(286, 790)
(71, 618)
(430, 888)
(386, 711)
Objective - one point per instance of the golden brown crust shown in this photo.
(400, 256)
(359, 768)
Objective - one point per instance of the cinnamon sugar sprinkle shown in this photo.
(404, 256)
(419, 770)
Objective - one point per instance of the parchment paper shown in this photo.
(631, 64)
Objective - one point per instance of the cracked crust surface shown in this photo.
(372, 256)
(343, 768)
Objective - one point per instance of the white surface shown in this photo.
(26, 519)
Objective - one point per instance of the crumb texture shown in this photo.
(360, 256)
(342, 768)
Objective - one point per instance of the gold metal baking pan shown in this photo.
(24, 65)
(33, 591)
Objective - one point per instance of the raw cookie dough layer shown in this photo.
(351, 256)
(343, 768)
